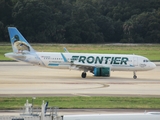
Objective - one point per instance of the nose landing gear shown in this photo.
(134, 75)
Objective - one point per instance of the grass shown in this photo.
(151, 51)
(4, 49)
(85, 102)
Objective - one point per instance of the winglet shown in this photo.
(65, 50)
(64, 58)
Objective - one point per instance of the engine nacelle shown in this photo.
(103, 71)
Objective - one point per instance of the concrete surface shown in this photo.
(21, 79)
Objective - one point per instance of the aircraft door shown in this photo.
(135, 61)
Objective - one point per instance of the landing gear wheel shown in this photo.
(83, 75)
(135, 77)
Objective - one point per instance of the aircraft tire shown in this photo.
(135, 77)
(83, 75)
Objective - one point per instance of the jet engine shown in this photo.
(102, 71)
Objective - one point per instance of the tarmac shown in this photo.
(22, 80)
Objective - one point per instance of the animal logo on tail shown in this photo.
(19, 45)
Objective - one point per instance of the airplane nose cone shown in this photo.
(153, 65)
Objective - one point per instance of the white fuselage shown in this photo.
(116, 62)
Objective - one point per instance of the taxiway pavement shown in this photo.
(20, 79)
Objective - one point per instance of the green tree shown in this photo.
(143, 27)
(5, 17)
(33, 18)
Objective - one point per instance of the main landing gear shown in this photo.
(84, 74)
(134, 75)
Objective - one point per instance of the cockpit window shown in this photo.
(146, 61)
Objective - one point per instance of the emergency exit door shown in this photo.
(135, 61)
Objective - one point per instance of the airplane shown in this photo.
(98, 64)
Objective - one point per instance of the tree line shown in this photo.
(82, 21)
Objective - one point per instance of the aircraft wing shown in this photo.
(87, 65)
(80, 66)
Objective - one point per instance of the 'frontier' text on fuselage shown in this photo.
(99, 60)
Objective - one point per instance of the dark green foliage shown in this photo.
(82, 21)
